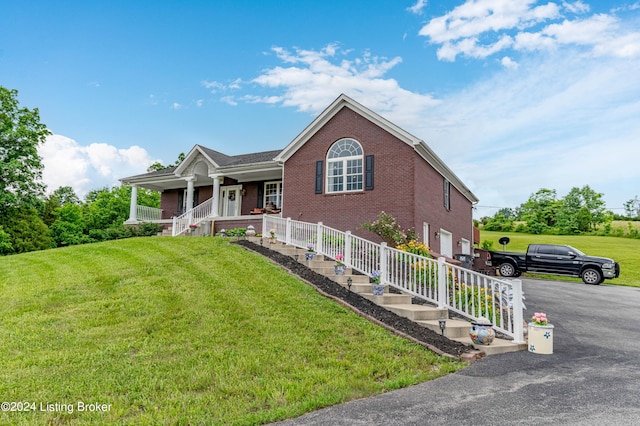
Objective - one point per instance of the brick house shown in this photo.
(343, 169)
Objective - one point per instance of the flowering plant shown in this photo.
(339, 259)
(539, 318)
(193, 226)
(310, 247)
(375, 276)
(273, 233)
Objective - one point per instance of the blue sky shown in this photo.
(514, 95)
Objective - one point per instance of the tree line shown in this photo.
(581, 211)
(31, 220)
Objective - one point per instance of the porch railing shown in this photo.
(148, 214)
(465, 292)
(194, 216)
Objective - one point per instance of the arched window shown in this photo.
(344, 166)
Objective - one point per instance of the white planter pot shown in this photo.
(540, 340)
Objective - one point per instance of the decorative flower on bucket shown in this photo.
(539, 318)
(375, 277)
(311, 247)
(339, 259)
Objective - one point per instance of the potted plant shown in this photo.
(481, 332)
(192, 228)
(377, 288)
(540, 334)
(310, 254)
(272, 238)
(339, 267)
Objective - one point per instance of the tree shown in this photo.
(632, 208)
(20, 165)
(581, 210)
(159, 166)
(540, 210)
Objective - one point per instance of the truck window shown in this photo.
(546, 250)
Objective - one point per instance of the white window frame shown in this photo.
(336, 156)
(265, 197)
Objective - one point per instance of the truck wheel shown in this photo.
(591, 276)
(507, 270)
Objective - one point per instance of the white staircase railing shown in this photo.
(182, 223)
(460, 290)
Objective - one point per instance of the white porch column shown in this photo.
(133, 219)
(215, 197)
(190, 181)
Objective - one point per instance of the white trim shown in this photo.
(278, 196)
(224, 206)
(446, 243)
(465, 246)
(425, 234)
(344, 175)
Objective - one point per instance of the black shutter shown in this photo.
(368, 172)
(319, 174)
(260, 195)
(180, 201)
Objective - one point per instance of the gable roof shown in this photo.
(343, 101)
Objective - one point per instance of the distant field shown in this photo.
(184, 331)
(625, 251)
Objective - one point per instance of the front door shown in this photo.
(230, 200)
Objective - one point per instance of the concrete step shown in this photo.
(498, 346)
(455, 328)
(417, 312)
(328, 270)
(355, 279)
(387, 298)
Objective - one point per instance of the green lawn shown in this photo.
(625, 251)
(184, 331)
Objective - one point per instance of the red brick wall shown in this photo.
(169, 203)
(392, 193)
(429, 189)
(405, 186)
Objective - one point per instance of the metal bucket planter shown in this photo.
(310, 255)
(339, 269)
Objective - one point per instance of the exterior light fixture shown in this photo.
(442, 322)
(223, 232)
(296, 256)
(349, 282)
(436, 234)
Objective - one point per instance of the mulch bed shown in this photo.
(364, 307)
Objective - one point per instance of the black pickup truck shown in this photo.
(554, 259)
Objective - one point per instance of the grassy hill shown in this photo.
(183, 331)
(625, 251)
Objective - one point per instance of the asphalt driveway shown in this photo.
(592, 378)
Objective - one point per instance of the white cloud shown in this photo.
(507, 62)
(554, 120)
(85, 168)
(481, 28)
(418, 7)
(315, 78)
